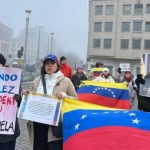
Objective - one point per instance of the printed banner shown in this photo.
(9, 85)
(40, 108)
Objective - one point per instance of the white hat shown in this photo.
(105, 69)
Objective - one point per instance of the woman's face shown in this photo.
(105, 73)
(80, 70)
(128, 75)
(50, 67)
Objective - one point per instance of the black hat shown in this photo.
(99, 64)
(62, 58)
(2, 60)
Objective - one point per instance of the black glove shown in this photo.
(17, 98)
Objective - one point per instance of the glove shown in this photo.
(17, 98)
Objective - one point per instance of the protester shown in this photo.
(119, 76)
(51, 82)
(105, 76)
(8, 142)
(145, 100)
(131, 87)
(65, 68)
(139, 80)
(96, 71)
(78, 77)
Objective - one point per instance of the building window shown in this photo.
(148, 8)
(98, 10)
(137, 26)
(107, 43)
(147, 27)
(108, 26)
(97, 26)
(146, 44)
(138, 9)
(124, 44)
(125, 27)
(109, 10)
(96, 43)
(136, 43)
(126, 10)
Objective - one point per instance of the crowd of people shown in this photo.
(58, 79)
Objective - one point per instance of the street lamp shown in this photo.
(52, 42)
(28, 12)
(48, 45)
(39, 38)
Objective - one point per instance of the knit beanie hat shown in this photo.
(2, 60)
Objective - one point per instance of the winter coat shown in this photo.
(77, 79)
(139, 80)
(131, 90)
(145, 101)
(66, 70)
(63, 84)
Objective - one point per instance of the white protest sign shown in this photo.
(9, 85)
(125, 67)
(40, 108)
(145, 90)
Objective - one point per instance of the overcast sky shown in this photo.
(68, 19)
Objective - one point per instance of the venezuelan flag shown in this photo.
(113, 95)
(90, 127)
(97, 71)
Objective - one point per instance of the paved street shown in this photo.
(23, 140)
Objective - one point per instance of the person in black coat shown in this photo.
(144, 100)
(78, 77)
(139, 80)
(8, 142)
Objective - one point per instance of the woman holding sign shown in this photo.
(51, 82)
(7, 142)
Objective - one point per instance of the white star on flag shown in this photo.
(136, 121)
(132, 114)
(94, 113)
(83, 117)
(125, 112)
(77, 126)
(116, 111)
(106, 112)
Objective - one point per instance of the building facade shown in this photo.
(118, 33)
(6, 40)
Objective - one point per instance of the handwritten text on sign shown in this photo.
(9, 85)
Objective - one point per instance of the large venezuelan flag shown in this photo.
(113, 95)
(85, 128)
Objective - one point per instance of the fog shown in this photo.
(67, 19)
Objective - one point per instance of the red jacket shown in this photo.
(66, 70)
